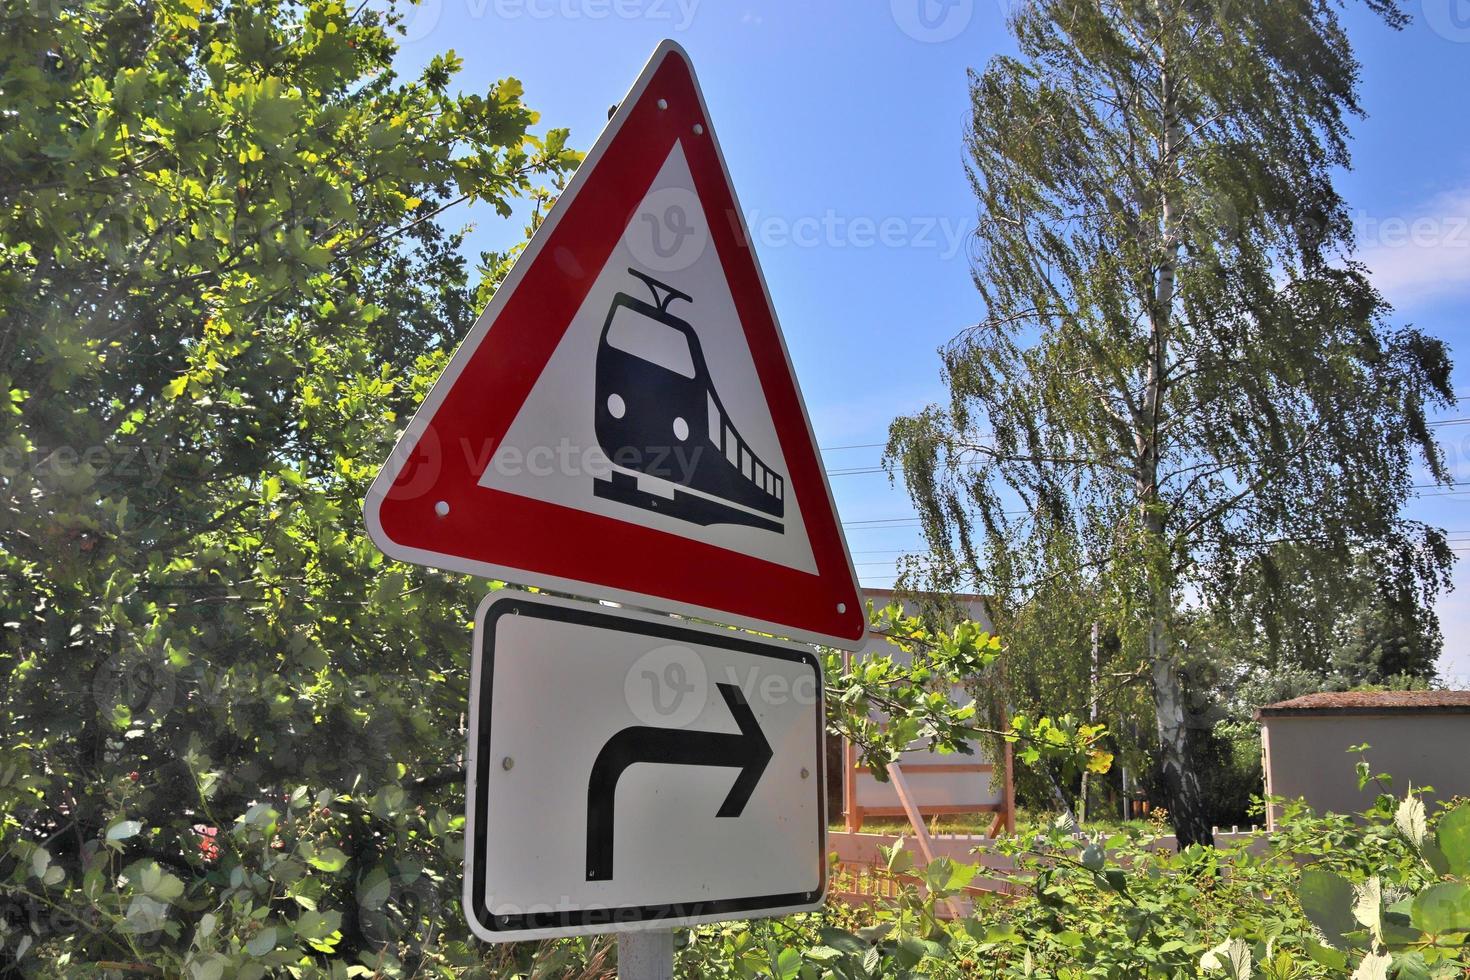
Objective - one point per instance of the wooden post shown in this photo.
(1010, 789)
(852, 817)
(921, 832)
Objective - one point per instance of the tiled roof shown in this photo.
(1371, 703)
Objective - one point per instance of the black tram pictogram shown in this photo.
(673, 447)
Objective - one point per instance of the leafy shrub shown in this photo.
(1410, 916)
(1382, 896)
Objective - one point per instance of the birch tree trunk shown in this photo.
(1181, 784)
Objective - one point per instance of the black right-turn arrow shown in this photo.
(748, 751)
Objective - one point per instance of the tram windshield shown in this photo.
(642, 336)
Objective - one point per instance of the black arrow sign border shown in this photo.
(600, 617)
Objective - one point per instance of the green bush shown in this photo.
(1383, 895)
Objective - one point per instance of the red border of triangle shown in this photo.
(549, 541)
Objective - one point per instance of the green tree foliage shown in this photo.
(1288, 625)
(1294, 626)
(1180, 366)
(221, 291)
(902, 696)
(1340, 624)
(1053, 666)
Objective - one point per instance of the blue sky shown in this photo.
(839, 118)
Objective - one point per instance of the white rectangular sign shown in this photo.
(633, 771)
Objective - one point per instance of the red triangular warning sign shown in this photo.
(622, 422)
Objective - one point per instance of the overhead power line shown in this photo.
(865, 445)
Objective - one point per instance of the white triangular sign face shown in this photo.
(622, 422)
(662, 452)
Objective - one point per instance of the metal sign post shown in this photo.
(646, 955)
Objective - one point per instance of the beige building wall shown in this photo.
(939, 783)
(1307, 756)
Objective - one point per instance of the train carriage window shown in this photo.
(643, 336)
(778, 488)
(715, 422)
(759, 476)
(748, 465)
(732, 447)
